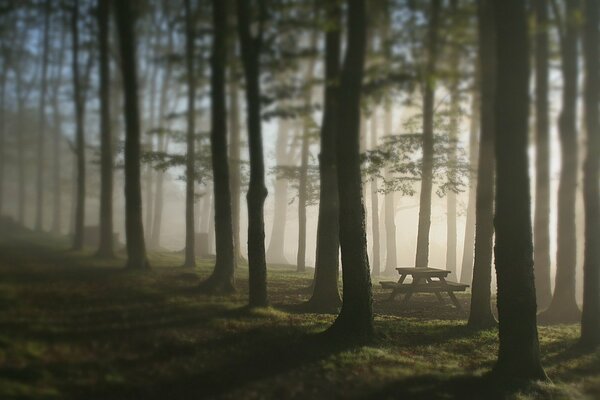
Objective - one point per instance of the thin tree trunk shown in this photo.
(481, 316)
(563, 307)
(79, 133)
(39, 208)
(223, 277)
(2, 133)
(325, 296)
(134, 227)
(257, 191)
(422, 256)
(541, 228)
(275, 251)
(590, 318)
(519, 353)
(105, 248)
(190, 232)
(376, 245)
(391, 261)
(234, 158)
(355, 321)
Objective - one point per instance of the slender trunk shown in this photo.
(134, 227)
(325, 295)
(257, 191)
(302, 198)
(275, 251)
(223, 275)
(355, 320)
(519, 353)
(590, 318)
(481, 316)
(563, 307)
(376, 249)
(79, 133)
(39, 208)
(466, 271)
(105, 248)
(391, 261)
(190, 260)
(234, 159)
(422, 256)
(2, 134)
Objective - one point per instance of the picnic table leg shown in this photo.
(406, 298)
(395, 291)
(455, 301)
(437, 294)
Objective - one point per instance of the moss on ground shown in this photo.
(72, 326)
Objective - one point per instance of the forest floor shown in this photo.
(75, 327)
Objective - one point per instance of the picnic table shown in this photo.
(424, 280)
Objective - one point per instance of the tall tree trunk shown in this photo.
(422, 256)
(234, 158)
(376, 245)
(275, 251)
(134, 227)
(190, 232)
(355, 320)
(519, 353)
(222, 278)
(257, 191)
(105, 248)
(39, 205)
(79, 133)
(2, 133)
(563, 307)
(590, 318)
(466, 271)
(391, 261)
(541, 230)
(325, 296)
(481, 316)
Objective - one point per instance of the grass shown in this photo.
(75, 327)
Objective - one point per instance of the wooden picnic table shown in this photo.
(425, 280)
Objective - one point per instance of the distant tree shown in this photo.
(105, 248)
(541, 229)
(519, 353)
(563, 307)
(481, 316)
(134, 230)
(590, 319)
(355, 320)
(234, 151)
(428, 82)
(251, 41)
(222, 278)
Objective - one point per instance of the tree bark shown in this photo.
(590, 318)
(325, 296)
(481, 316)
(355, 321)
(376, 245)
(422, 256)
(106, 156)
(257, 191)
(541, 224)
(79, 133)
(39, 205)
(519, 354)
(134, 227)
(563, 307)
(234, 158)
(190, 181)
(391, 261)
(222, 278)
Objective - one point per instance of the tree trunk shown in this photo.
(257, 191)
(79, 133)
(376, 245)
(481, 316)
(391, 261)
(134, 227)
(325, 296)
(519, 353)
(466, 271)
(222, 278)
(190, 181)
(563, 307)
(590, 318)
(106, 157)
(234, 158)
(422, 256)
(2, 133)
(355, 321)
(39, 205)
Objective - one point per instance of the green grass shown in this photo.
(75, 327)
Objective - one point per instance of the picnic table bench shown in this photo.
(424, 280)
